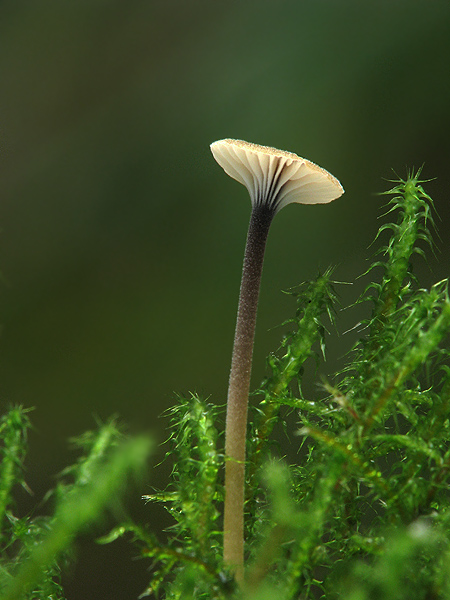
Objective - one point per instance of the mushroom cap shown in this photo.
(274, 177)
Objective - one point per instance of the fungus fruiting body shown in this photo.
(273, 178)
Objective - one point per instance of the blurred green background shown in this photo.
(122, 240)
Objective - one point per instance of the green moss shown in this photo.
(365, 509)
(364, 514)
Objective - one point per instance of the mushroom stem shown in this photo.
(238, 390)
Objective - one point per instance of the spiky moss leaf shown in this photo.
(20, 535)
(314, 299)
(192, 499)
(416, 339)
(197, 463)
(396, 353)
(76, 510)
(414, 207)
(14, 427)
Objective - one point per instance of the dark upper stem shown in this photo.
(239, 387)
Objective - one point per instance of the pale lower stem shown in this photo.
(238, 390)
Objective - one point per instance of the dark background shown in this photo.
(121, 239)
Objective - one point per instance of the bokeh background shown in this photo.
(121, 240)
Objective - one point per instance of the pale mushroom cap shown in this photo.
(274, 177)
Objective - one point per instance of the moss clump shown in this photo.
(366, 507)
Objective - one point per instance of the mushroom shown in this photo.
(273, 178)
